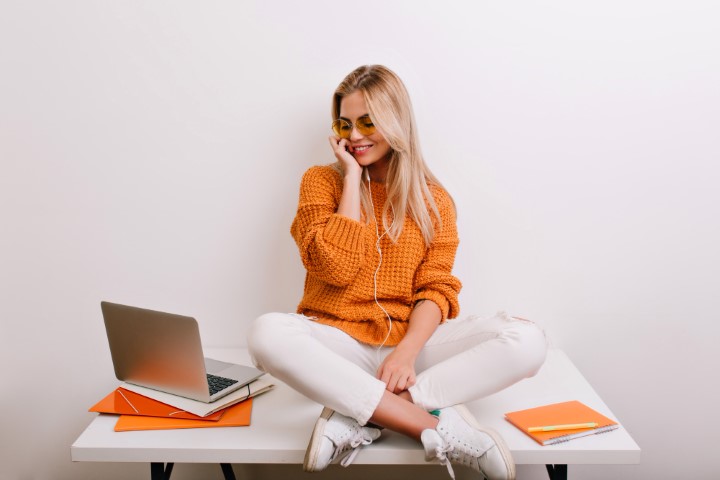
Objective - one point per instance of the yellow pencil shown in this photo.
(571, 426)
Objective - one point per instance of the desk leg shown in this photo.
(557, 472)
(158, 471)
(227, 471)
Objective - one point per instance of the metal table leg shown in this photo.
(159, 471)
(557, 472)
(227, 471)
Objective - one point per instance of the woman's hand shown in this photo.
(397, 371)
(341, 149)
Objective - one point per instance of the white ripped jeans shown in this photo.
(464, 360)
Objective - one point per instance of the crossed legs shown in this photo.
(330, 367)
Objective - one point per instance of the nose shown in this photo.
(355, 135)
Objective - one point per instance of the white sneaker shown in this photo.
(333, 435)
(459, 439)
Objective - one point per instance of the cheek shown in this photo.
(378, 137)
(380, 141)
(383, 149)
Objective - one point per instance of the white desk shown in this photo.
(283, 419)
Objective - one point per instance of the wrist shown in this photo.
(352, 175)
(408, 349)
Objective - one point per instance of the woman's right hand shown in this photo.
(341, 150)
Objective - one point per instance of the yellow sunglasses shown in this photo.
(343, 128)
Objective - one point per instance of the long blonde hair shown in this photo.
(408, 177)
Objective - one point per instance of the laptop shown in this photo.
(163, 351)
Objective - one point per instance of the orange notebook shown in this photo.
(124, 402)
(237, 415)
(565, 413)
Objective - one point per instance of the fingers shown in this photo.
(397, 383)
(400, 383)
(398, 380)
(404, 382)
(343, 152)
(339, 145)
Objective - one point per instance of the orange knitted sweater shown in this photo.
(340, 257)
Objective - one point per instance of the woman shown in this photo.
(371, 340)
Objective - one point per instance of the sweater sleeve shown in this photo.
(434, 280)
(332, 246)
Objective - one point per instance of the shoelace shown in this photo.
(441, 454)
(359, 440)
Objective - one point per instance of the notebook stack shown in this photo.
(140, 412)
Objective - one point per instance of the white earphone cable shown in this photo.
(377, 270)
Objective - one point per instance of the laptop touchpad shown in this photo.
(214, 367)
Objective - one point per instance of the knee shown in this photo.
(263, 337)
(534, 346)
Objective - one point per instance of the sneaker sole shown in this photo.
(499, 441)
(311, 454)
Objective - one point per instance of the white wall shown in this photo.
(151, 153)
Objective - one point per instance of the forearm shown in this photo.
(423, 322)
(349, 205)
(331, 245)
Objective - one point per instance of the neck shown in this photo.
(378, 171)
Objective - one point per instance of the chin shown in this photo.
(367, 161)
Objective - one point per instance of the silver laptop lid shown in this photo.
(156, 350)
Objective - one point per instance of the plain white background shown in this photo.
(151, 153)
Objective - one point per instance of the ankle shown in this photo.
(433, 421)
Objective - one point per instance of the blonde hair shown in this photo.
(408, 177)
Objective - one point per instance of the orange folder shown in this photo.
(124, 402)
(564, 413)
(237, 415)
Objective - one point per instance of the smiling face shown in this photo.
(371, 151)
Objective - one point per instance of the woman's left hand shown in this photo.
(397, 371)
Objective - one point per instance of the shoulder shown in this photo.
(444, 202)
(321, 178)
(328, 174)
(439, 193)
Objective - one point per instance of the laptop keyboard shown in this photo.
(219, 383)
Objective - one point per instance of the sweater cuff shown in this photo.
(437, 298)
(344, 233)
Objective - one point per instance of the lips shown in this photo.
(360, 149)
